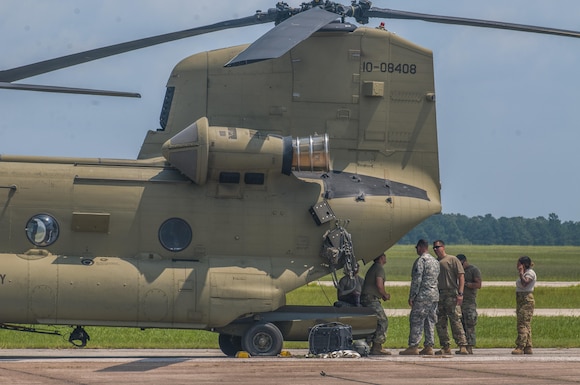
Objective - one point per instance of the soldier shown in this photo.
(372, 293)
(423, 299)
(451, 282)
(525, 304)
(469, 305)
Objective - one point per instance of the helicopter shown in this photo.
(263, 175)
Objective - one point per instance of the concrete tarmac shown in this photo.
(200, 366)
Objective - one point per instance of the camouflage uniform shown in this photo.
(450, 268)
(371, 298)
(469, 305)
(425, 295)
(525, 304)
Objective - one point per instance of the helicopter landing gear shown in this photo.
(79, 337)
(263, 339)
(230, 344)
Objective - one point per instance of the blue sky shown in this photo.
(507, 102)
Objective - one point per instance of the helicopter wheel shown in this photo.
(263, 340)
(230, 344)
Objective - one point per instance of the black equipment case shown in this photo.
(330, 337)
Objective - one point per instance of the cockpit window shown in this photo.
(42, 230)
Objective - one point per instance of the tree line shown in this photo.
(487, 230)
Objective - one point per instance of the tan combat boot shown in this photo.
(528, 350)
(462, 350)
(444, 350)
(410, 351)
(377, 350)
(518, 350)
(427, 351)
(470, 349)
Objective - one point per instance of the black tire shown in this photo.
(263, 340)
(229, 344)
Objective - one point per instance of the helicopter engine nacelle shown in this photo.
(201, 147)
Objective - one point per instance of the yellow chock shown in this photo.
(285, 353)
(243, 354)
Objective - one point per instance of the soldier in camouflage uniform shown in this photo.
(373, 292)
(469, 305)
(451, 283)
(423, 299)
(525, 304)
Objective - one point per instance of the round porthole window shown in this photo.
(175, 234)
(42, 230)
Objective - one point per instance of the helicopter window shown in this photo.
(42, 230)
(164, 117)
(254, 178)
(229, 177)
(175, 234)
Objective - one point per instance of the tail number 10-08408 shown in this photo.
(400, 68)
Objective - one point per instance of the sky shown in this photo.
(507, 102)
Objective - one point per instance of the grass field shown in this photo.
(489, 297)
(497, 332)
(497, 263)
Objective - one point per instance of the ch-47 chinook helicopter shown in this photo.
(263, 174)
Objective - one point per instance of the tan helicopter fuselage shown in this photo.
(245, 232)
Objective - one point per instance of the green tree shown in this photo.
(486, 230)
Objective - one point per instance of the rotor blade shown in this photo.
(284, 36)
(66, 90)
(394, 14)
(99, 53)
